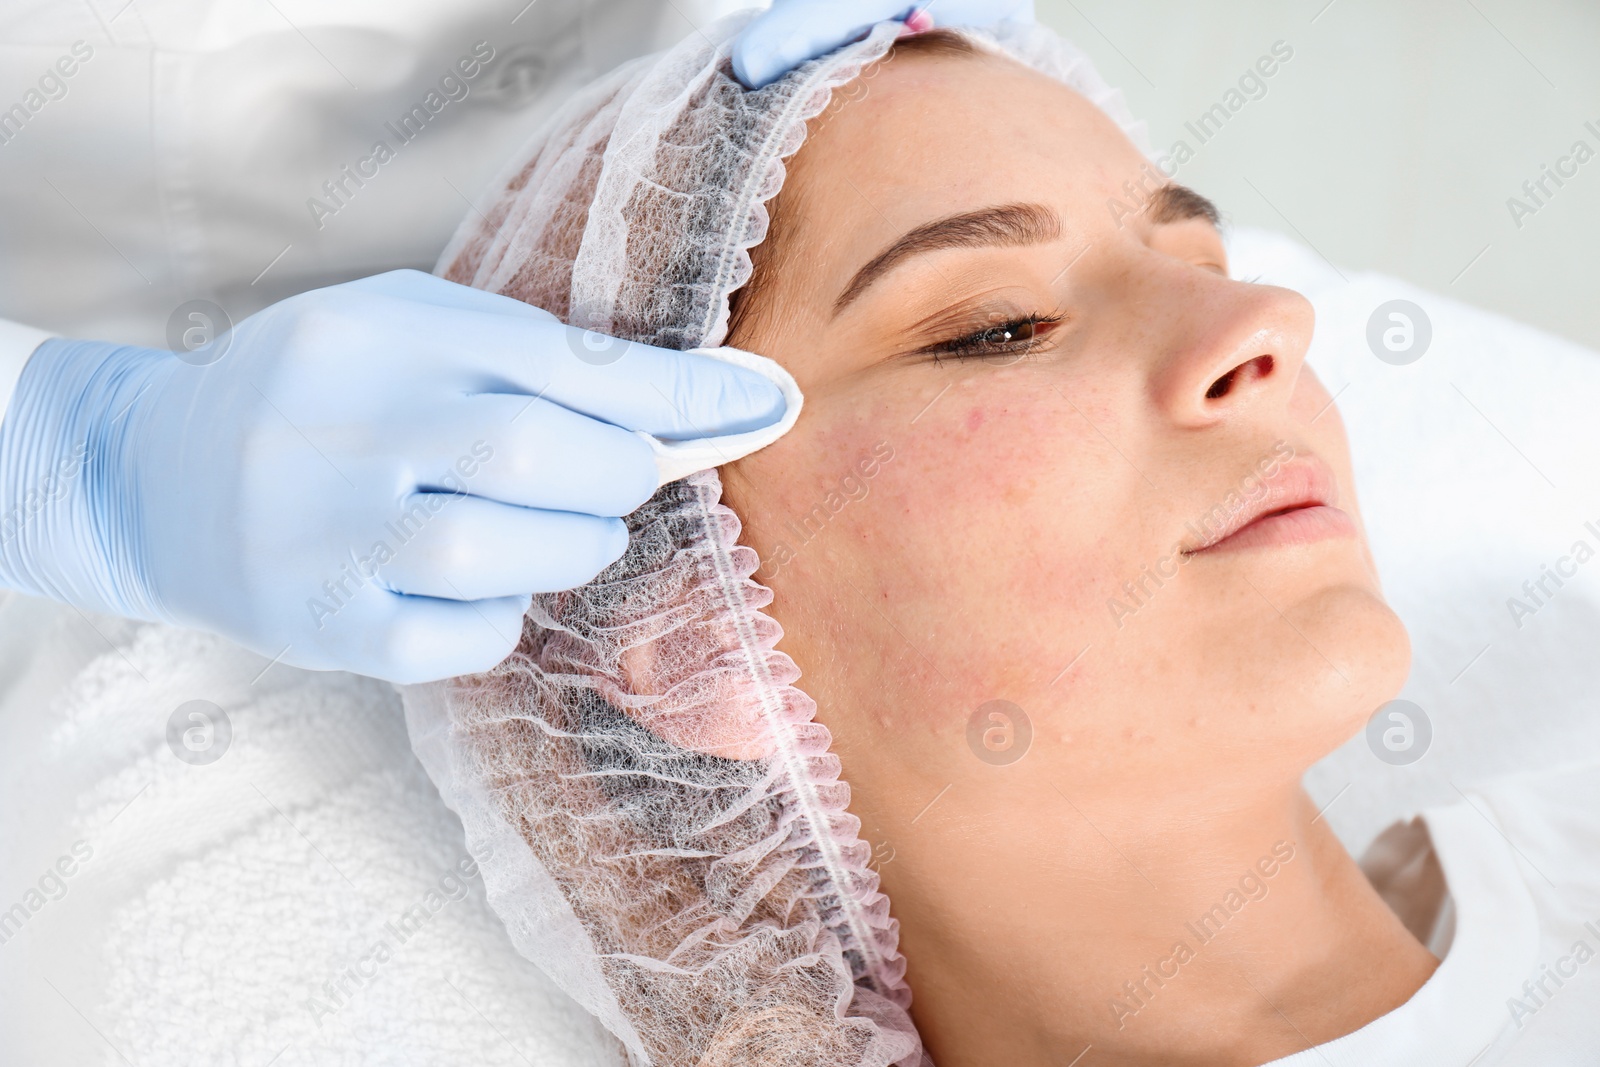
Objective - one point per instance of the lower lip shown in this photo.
(1303, 526)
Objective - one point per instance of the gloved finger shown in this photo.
(789, 34)
(427, 639)
(466, 548)
(418, 287)
(502, 345)
(535, 454)
(977, 12)
(666, 393)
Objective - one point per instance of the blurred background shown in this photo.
(1393, 137)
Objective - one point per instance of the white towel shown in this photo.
(300, 901)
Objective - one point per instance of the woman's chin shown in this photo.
(1355, 654)
(1296, 680)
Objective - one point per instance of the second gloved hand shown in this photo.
(372, 477)
(794, 31)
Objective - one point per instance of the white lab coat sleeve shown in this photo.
(17, 343)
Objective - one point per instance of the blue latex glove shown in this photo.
(372, 477)
(794, 31)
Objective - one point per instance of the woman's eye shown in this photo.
(1000, 335)
(1010, 338)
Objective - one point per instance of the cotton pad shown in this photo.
(679, 459)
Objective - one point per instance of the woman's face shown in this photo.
(1014, 435)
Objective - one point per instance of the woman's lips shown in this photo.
(1300, 526)
(1294, 507)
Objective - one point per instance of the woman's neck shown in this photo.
(1037, 924)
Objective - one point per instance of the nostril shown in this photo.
(1259, 367)
(1220, 387)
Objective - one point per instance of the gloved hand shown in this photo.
(794, 31)
(372, 477)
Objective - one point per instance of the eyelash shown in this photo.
(975, 345)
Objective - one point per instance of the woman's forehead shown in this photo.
(927, 133)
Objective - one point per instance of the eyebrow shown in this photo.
(1009, 225)
(1179, 203)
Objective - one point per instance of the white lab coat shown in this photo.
(154, 152)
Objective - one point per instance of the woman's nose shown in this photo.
(1232, 345)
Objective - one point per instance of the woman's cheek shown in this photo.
(984, 510)
(947, 505)
(794, 496)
